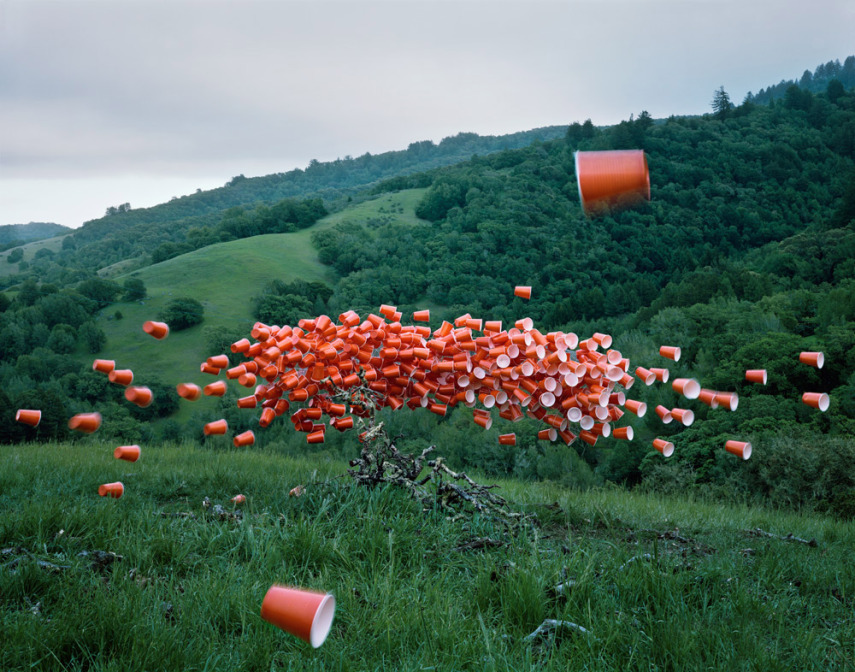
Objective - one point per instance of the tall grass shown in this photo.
(658, 583)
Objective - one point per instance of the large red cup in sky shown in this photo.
(612, 178)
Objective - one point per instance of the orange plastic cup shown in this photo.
(661, 374)
(114, 490)
(246, 438)
(158, 330)
(218, 361)
(303, 613)
(85, 422)
(315, 437)
(188, 391)
(688, 387)
(639, 408)
(670, 352)
(103, 365)
(508, 439)
(240, 346)
(664, 447)
(816, 359)
(216, 427)
(28, 417)
(624, 433)
(728, 400)
(550, 434)
(215, 389)
(421, 316)
(709, 398)
(818, 400)
(612, 178)
(141, 396)
(756, 376)
(664, 414)
(522, 291)
(739, 448)
(247, 402)
(645, 375)
(121, 376)
(127, 453)
(683, 415)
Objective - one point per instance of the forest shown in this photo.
(745, 256)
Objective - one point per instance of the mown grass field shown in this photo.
(659, 584)
(224, 278)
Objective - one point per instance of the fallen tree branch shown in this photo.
(550, 625)
(757, 532)
(380, 462)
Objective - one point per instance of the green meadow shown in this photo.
(224, 278)
(155, 581)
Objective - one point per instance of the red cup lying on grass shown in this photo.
(306, 614)
(114, 490)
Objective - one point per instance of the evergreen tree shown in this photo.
(721, 104)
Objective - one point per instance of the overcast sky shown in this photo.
(114, 101)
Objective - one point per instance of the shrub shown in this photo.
(182, 313)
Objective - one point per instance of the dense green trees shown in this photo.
(182, 313)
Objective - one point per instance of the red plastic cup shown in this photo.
(664, 447)
(508, 439)
(188, 391)
(215, 389)
(818, 400)
(114, 490)
(756, 376)
(522, 291)
(121, 376)
(103, 365)
(216, 427)
(739, 448)
(28, 417)
(158, 330)
(303, 613)
(612, 178)
(140, 396)
(688, 387)
(127, 453)
(670, 352)
(816, 359)
(246, 438)
(85, 422)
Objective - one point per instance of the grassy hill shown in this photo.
(30, 249)
(656, 582)
(224, 278)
